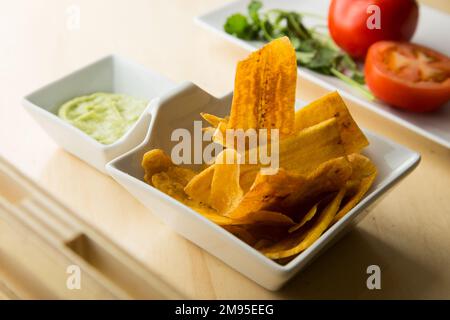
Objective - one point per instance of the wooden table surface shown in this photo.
(407, 234)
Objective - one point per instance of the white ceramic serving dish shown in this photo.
(432, 23)
(178, 110)
(110, 74)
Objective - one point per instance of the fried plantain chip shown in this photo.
(173, 180)
(264, 91)
(329, 106)
(262, 243)
(242, 233)
(261, 217)
(362, 166)
(212, 119)
(308, 148)
(267, 234)
(301, 152)
(180, 175)
(308, 216)
(219, 135)
(155, 161)
(300, 240)
(163, 182)
(225, 189)
(328, 177)
(199, 188)
(266, 192)
(220, 219)
(269, 217)
(172, 183)
(165, 176)
(286, 189)
(248, 176)
(362, 178)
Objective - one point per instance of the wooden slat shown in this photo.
(40, 238)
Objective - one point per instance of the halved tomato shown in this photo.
(408, 76)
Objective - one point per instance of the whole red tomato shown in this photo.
(347, 21)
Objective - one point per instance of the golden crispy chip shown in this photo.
(180, 175)
(167, 184)
(364, 186)
(218, 185)
(308, 216)
(219, 135)
(268, 217)
(362, 166)
(212, 119)
(248, 176)
(199, 188)
(209, 129)
(264, 92)
(220, 219)
(329, 106)
(218, 131)
(308, 148)
(362, 178)
(266, 192)
(173, 180)
(172, 183)
(300, 152)
(286, 189)
(328, 177)
(273, 233)
(225, 189)
(155, 161)
(242, 233)
(298, 241)
(261, 217)
(163, 182)
(262, 243)
(161, 173)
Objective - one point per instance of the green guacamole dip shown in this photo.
(104, 116)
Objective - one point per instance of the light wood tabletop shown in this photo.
(407, 234)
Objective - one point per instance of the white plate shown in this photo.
(111, 74)
(179, 109)
(430, 32)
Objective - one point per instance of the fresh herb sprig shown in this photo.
(315, 50)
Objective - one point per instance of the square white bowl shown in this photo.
(110, 74)
(178, 110)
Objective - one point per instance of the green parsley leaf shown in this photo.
(238, 26)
